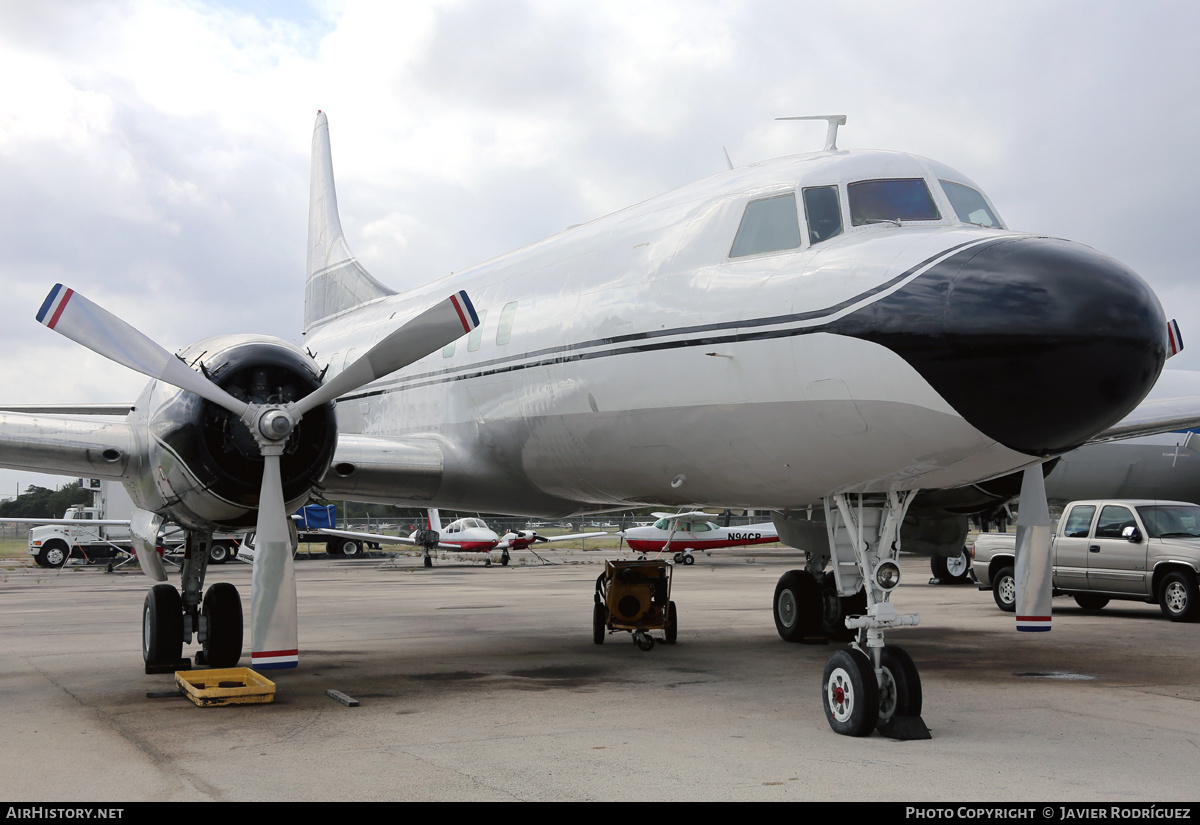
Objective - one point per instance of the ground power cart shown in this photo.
(635, 596)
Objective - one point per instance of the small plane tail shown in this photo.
(434, 520)
(335, 280)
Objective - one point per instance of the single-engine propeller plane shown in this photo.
(831, 311)
(686, 533)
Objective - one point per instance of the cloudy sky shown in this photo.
(154, 155)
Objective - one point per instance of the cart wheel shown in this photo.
(599, 620)
(672, 629)
(643, 640)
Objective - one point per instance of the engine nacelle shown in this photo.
(202, 466)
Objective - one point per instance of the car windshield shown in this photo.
(1166, 521)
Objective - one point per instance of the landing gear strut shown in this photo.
(170, 617)
(867, 686)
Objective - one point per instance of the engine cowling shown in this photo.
(204, 466)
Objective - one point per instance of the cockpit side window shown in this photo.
(891, 199)
(823, 210)
(969, 205)
(768, 225)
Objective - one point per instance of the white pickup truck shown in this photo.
(1147, 551)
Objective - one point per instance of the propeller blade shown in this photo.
(428, 332)
(274, 642)
(69, 313)
(1034, 565)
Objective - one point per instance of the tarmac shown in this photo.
(484, 684)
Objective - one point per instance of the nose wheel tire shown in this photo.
(688, 558)
(850, 693)
(900, 693)
(162, 626)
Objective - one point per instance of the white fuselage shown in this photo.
(632, 360)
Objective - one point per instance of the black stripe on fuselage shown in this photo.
(572, 352)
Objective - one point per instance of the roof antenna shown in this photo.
(831, 134)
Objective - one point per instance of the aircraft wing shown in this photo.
(694, 515)
(508, 542)
(69, 409)
(574, 536)
(381, 469)
(379, 538)
(1162, 415)
(79, 445)
(75, 522)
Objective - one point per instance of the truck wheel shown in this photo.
(1004, 590)
(1178, 597)
(53, 554)
(223, 608)
(350, 548)
(1091, 601)
(219, 552)
(162, 626)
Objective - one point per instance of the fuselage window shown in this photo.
(893, 199)
(768, 225)
(476, 336)
(969, 205)
(448, 350)
(823, 210)
(349, 359)
(507, 316)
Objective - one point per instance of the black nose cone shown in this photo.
(1037, 342)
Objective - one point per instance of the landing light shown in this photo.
(887, 575)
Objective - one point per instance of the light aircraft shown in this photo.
(692, 531)
(831, 311)
(468, 535)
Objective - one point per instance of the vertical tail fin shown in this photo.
(434, 520)
(335, 280)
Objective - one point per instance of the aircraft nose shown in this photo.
(1039, 343)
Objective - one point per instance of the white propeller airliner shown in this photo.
(830, 312)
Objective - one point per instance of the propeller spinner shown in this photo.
(274, 640)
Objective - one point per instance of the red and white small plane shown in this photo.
(467, 535)
(694, 531)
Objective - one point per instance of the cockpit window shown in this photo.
(969, 205)
(823, 209)
(892, 199)
(768, 225)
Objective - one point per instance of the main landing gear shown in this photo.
(171, 618)
(867, 686)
